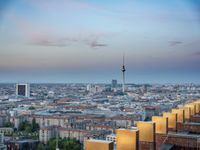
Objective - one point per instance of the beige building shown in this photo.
(127, 139)
(98, 145)
(72, 133)
(46, 133)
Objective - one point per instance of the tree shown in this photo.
(66, 144)
(40, 146)
(8, 125)
(35, 126)
(21, 126)
(31, 108)
(29, 127)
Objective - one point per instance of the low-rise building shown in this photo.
(6, 131)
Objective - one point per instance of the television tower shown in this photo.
(123, 74)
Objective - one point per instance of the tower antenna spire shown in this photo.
(123, 73)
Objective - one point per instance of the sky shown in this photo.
(85, 40)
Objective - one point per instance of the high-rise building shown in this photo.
(98, 145)
(114, 83)
(172, 120)
(161, 124)
(147, 136)
(22, 90)
(127, 139)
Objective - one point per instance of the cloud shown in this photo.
(44, 36)
(95, 44)
(48, 40)
(197, 53)
(175, 43)
(63, 5)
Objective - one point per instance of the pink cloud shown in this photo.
(63, 5)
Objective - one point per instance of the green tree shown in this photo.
(28, 129)
(65, 144)
(31, 108)
(35, 126)
(40, 146)
(21, 126)
(8, 124)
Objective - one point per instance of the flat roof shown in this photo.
(185, 135)
(131, 129)
(99, 141)
(166, 147)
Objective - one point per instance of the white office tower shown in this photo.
(88, 88)
(23, 89)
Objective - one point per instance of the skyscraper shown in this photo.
(22, 90)
(114, 83)
(123, 76)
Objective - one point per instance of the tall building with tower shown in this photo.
(123, 75)
(22, 90)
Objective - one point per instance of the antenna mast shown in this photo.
(123, 74)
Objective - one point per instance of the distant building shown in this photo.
(144, 88)
(6, 131)
(2, 146)
(95, 88)
(114, 83)
(151, 111)
(3, 119)
(1, 138)
(88, 87)
(22, 144)
(51, 94)
(22, 90)
(111, 137)
(46, 133)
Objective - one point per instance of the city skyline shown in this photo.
(84, 41)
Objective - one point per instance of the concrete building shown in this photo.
(3, 119)
(150, 111)
(22, 89)
(28, 144)
(2, 146)
(127, 139)
(111, 137)
(46, 133)
(99, 145)
(114, 84)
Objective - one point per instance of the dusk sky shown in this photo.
(84, 40)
